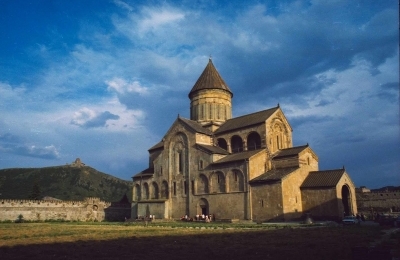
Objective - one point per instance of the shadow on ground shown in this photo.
(287, 243)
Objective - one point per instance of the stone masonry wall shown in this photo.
(385, 201)
(90, 209)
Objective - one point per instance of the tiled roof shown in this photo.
(238, 156)
(145, 173)
(329, 178)
(289, 152)
(210, 79)
(274, 175)
(157, 146)
(246, 120)
(213, 149)
(196, 126)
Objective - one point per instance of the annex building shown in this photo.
(236, 167)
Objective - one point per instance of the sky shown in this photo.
(103, 80)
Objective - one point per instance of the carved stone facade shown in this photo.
(236, 168)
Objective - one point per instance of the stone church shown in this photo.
(236, 167)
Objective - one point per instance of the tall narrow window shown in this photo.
(174, 188)
(180, 161)
(201, 165)
(235, 176)
(262, 203)
(160, 170)
(193, 187)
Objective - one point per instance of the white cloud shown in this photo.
(123, 5)
(154, 18)
(122, 87)
(11, 95)
(112, 115)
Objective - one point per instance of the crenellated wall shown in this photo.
(90, 209)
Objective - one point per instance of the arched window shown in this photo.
(278, 137)
(136, 192)
(164, 190)
(154, 191)
(217, 181)
(236, 144)
(146, 191)
(253, 141)
(222, 143)
(179, 158)
(202, 185)
(201, 166)
(235, 181)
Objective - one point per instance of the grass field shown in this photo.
(177, 241)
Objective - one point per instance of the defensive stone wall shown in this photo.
(89, 209)
(378, 201)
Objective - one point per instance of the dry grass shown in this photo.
(117, 241)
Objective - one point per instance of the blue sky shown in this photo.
(104, 80)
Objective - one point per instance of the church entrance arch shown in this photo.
(346, 200)
(202, 207)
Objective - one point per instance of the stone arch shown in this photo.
(146, 191)
(236, 144)
(179, 154)
(235, 181)
(202, 184)
(164, 190)
(136, 192)
(222, 143)
(203, 207)
(346, 200)
(253, 141)
(217, 182)
(154, 191)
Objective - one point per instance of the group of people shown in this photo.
(149, 217)
(198, 217)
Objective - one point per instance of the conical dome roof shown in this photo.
(210, 79)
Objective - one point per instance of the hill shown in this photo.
(387, 188)
(68, 182)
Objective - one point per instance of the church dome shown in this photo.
(210, 79)
(210, 99)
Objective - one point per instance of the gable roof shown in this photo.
(238, 156)
(213, 149)
(157, 146)
(210, 79)
(195, 126)
(145, 173)
(274, 175)
(289, 152)
(246, 120)
(328, 178)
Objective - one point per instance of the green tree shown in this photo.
(35, 194)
